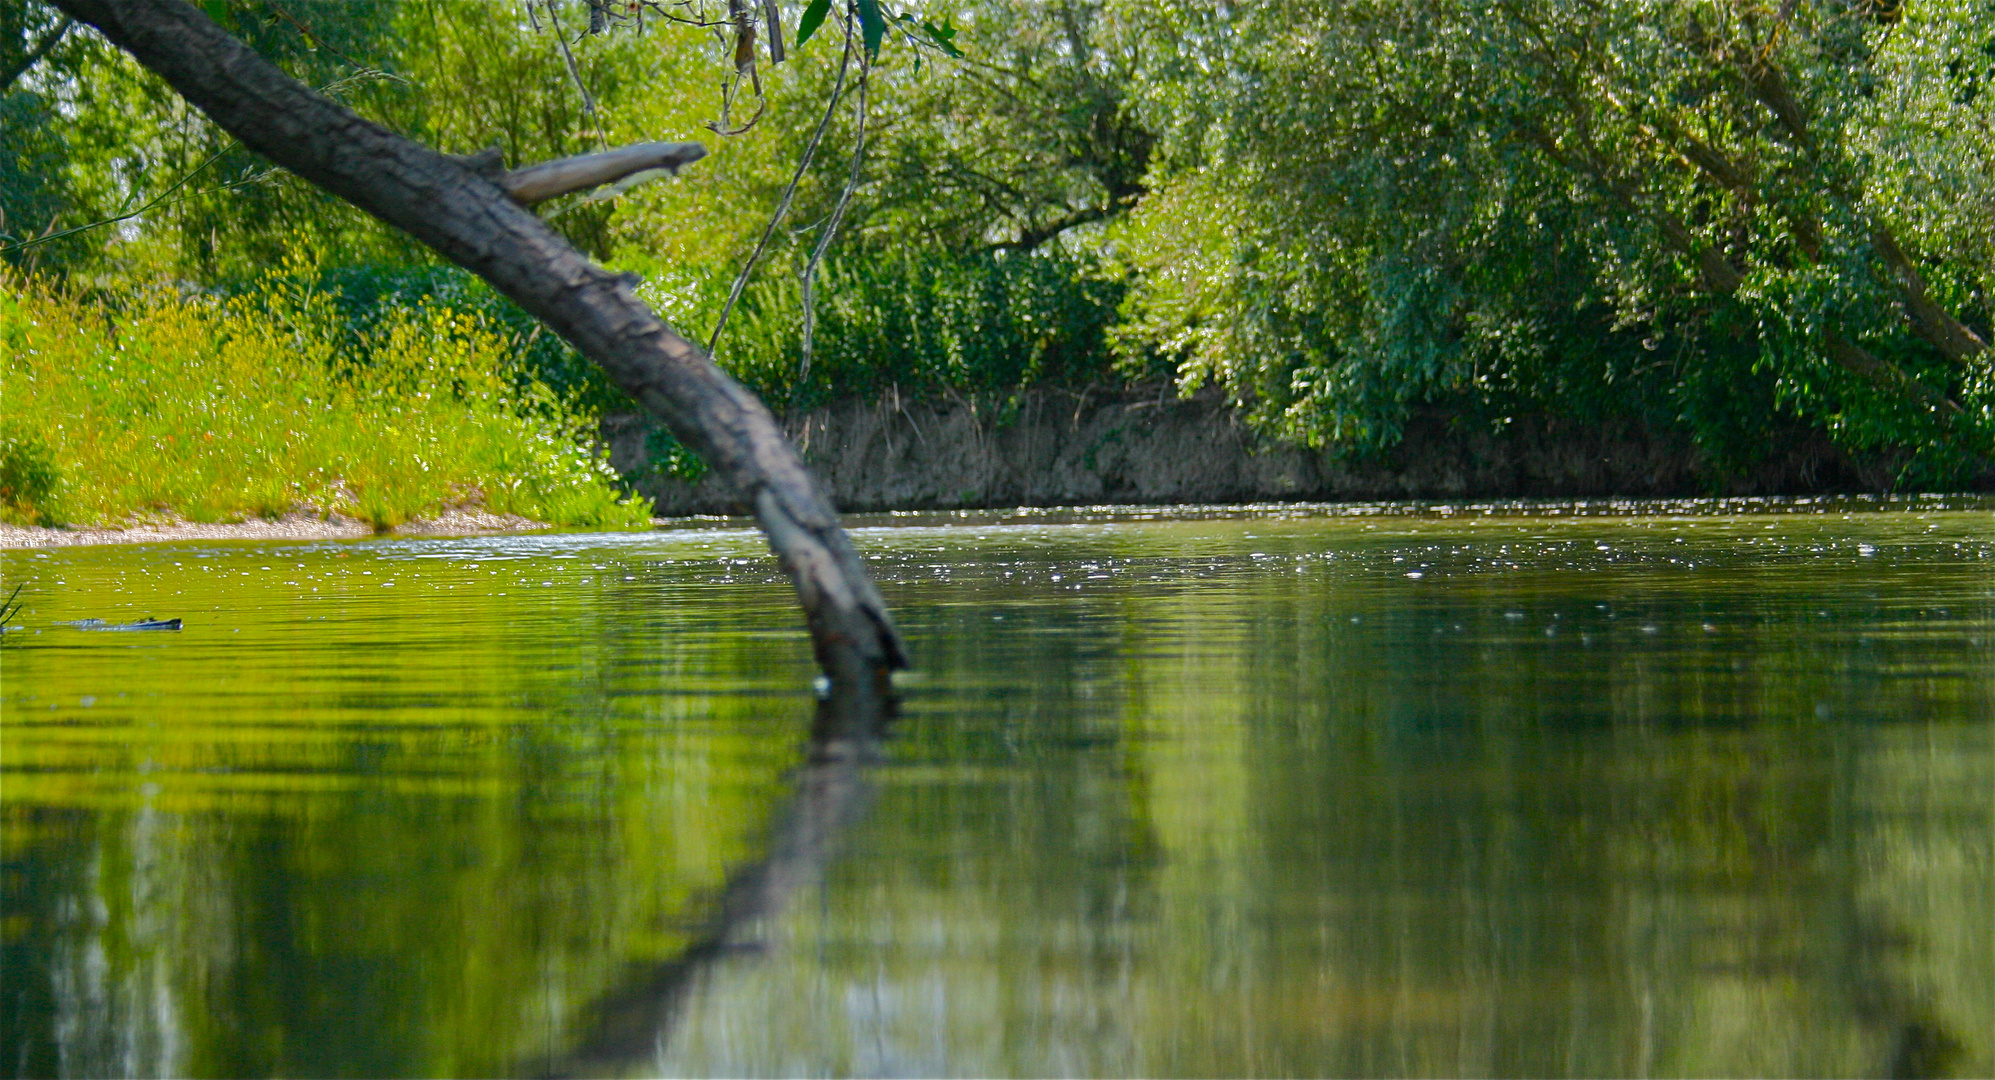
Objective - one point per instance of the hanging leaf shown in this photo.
(872, 25)
(944, 37)
(813, 17)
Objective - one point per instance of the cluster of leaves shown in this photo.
(363, 303)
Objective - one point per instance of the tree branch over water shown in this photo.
(468, 217)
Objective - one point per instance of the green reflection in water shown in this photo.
(380, 809)
(1233, 795)
(1598, 797)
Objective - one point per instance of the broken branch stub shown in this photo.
(539, 183)
(459, 209)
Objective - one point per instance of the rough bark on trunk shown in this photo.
(466, 216)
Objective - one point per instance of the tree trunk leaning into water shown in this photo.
(462, 209)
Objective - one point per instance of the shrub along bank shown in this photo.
(270, 402)
(920, 323)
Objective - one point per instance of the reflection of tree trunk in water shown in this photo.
(1909, 1019)
(1917, 1043)
(629, 1023)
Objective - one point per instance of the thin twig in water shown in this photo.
(783, 205)
(9, 609)
(831, 227)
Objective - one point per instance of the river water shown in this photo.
(1646, 789)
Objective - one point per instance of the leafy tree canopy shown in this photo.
(1741, 219)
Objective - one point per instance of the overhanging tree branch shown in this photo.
(467, 216)
(34, 56)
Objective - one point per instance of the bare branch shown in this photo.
(831, 226)
(575, 73)
(1931, 323)
(539, 183)
(789, 193)
(772, 17)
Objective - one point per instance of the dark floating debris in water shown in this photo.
(142, 624)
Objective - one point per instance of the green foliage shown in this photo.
(1678, 213)
(30, 479)
(364, 302)
(33, 191)
(670, 457)
(926, 322)
(1035, 140)
(219, 410)
(813, 17)
(872, 24)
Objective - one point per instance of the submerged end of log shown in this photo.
(539, 183)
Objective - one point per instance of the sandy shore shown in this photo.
(289, 527)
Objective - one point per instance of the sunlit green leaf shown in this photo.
(944, 37)
(872, 25)
(813, 17)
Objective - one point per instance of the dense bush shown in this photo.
(29, 478)
(1721, 219)
(364, 301)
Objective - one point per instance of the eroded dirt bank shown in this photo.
(1072, 448)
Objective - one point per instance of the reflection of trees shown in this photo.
(1210, 825)
(1198, 825)
(1540, 856)
(412, 839)
(1012, 809)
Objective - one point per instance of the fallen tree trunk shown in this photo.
(464, 213)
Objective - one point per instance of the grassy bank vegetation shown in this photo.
(1722, 222)
(270, 402)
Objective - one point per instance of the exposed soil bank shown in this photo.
(290, 527)
(1063, 448)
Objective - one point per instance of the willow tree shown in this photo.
(473, 212)
(1732, 214)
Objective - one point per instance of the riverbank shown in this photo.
(1056, 447)
(265, 404)
(289, 527)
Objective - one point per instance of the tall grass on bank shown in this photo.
(928, 322)
(221, 410)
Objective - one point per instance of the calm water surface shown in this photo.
(1308, 792)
